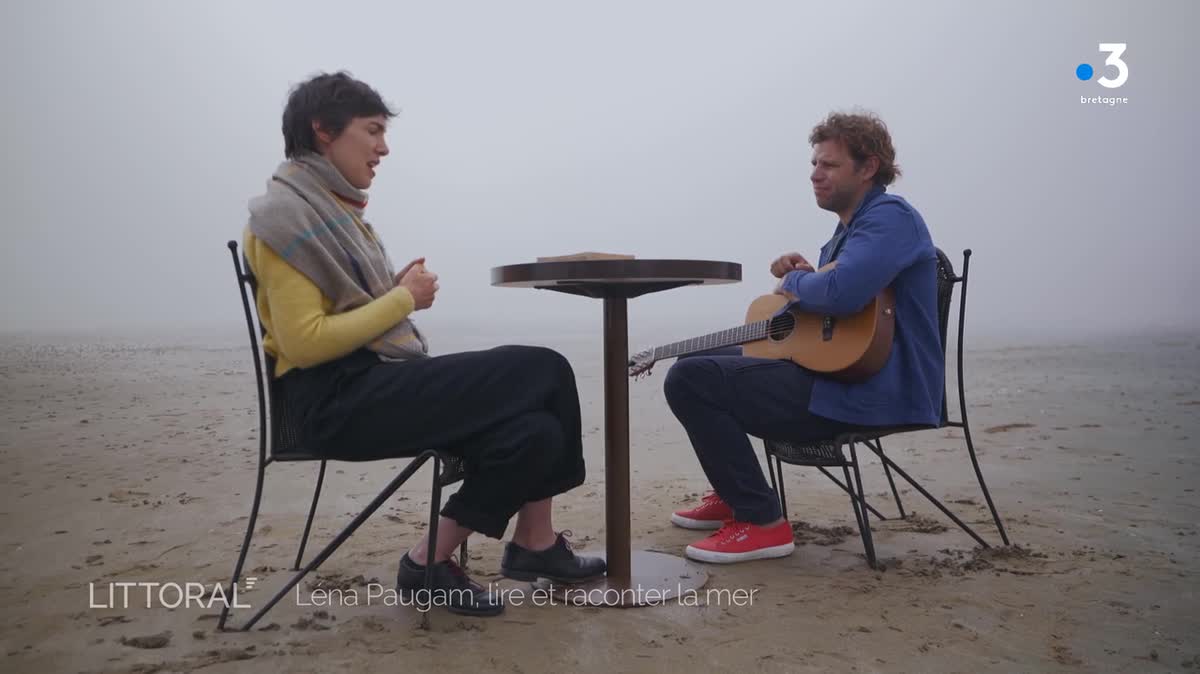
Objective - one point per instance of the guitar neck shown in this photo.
(750, 332)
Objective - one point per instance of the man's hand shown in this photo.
(420, 282)
(789, 262)
(780, 291)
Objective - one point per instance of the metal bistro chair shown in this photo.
(285, 445)
(825, 454)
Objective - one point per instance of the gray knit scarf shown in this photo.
(316, 233)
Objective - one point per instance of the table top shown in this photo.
(615, 278)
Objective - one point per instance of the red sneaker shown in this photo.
(710, 514)
(742, 542)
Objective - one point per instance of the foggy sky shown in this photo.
(135, 133)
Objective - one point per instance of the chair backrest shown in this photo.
(945, 293)
(946, 280)
(285, 423)
(281, 425)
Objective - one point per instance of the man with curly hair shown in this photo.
(880, 240)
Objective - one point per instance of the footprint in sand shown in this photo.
(151, 641)
(1006, 427)
(127, 496)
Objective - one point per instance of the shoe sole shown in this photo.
(697, 525)
(531, 577)
(713, 557)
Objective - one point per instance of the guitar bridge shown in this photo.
(827, 328)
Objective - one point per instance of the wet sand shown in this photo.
(124, 462)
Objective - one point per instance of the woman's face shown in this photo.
(357, 150)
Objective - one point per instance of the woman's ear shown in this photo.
(322, 136)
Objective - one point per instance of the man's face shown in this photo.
(358, 149)
(836, 182)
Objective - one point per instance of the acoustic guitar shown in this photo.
(846, 348)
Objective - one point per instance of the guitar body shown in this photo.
(847, 348)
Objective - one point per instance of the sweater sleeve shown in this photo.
(881, 245)
(305, 333)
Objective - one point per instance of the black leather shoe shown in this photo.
(556, 563)
(451, 588)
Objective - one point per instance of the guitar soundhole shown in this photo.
(781, 327)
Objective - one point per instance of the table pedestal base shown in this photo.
(656, 579)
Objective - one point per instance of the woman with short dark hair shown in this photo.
(352, 363)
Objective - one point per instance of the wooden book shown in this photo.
(585, 256)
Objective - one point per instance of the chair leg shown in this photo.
(987, 495)
(462, 555)
(782, 495)
(771, 469)
(333, 545)
(846, 488)
(237, 568)
(868, 543)
(774, 482)
(938, 504)
(888, 471)
(858, 516)
(962, 399)
(312, 510)
(435, 504)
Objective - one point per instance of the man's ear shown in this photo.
(869, 167)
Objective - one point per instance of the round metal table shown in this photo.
(631, 574)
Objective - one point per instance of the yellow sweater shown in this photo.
(300, 329)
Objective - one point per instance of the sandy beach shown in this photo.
(126, 461)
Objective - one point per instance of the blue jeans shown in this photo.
(721, 396)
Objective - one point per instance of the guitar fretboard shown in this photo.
(740, 335)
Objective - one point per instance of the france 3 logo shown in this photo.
(1113, 65)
